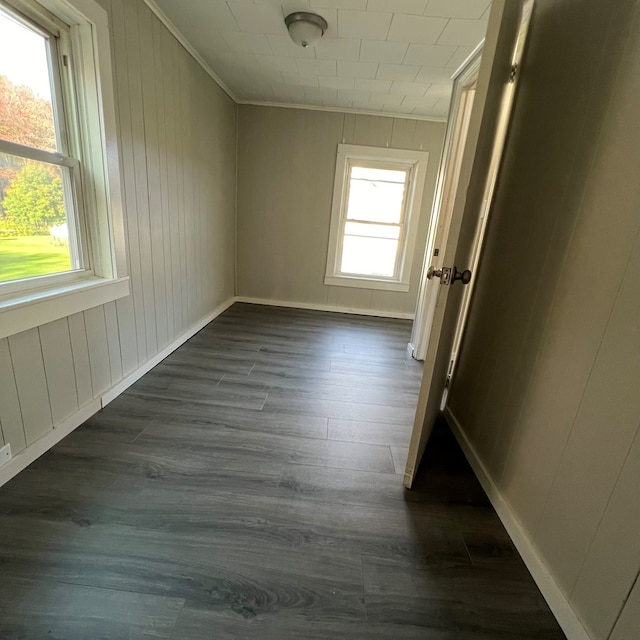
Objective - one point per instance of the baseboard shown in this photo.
(557, 601)
(125, 383)
(23, 459)
(326, 307)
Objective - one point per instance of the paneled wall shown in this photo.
(547, 384)
(177, 145)
(286, 167)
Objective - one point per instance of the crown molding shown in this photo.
(360, 112)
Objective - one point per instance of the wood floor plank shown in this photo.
(249, 487)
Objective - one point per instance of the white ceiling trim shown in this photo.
(177, 34)
(364, 112)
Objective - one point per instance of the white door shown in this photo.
(458, 225)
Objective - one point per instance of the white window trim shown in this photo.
(49, 298)
(418, 161)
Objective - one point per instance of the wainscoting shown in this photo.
(249, 487)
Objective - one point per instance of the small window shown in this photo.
(61, 226)
(376, 205)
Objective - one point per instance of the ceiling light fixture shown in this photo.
(305, 28)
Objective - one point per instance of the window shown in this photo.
(376, 206)
(61, 232)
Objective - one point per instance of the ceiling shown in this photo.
(390, 56)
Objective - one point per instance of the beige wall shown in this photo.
(547, 388)
(177, 144)
(286, 166)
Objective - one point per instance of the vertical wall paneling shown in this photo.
(554, 414)
(59, 369)
(286, 167)
(135, 73)
(80, 355)
(113, 340)
(12, 426)
(129, 183)
(628, 623)
(31, 383)
(161, 89)
(176, 133)
(153, 196)
(98, 349)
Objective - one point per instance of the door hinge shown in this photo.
(513, 73)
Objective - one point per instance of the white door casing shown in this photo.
(440, 306)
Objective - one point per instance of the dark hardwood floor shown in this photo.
(249, 487)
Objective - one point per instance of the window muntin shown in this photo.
(375, 212)
(40, 221)
(373, 220)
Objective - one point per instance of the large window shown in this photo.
(40, 219)
(377, 200)
(61, 230)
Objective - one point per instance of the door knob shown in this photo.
(463, 276)
(448, 275)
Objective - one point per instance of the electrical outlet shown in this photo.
(5, 454)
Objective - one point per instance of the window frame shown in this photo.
(415, 163)
(88, 135)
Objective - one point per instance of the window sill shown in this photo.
(367, 283)
(22, 312)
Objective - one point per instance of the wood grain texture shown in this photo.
(173, 514)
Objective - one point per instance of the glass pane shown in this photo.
(26, 113)
(369, 256)
(34, 237)
(375, 201)
(371, 230)
(388, 175)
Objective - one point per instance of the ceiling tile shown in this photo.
(382, 51)
(470, 9)
(300, 80)
(363, 24)
(432, 55)
(418, 29)
(439, 90)
(461, 54)
(358, 5)
(207, 40)
(398, 6)
(338, 49)
(408, 88)
(247, 43)
(317, 67)
(402, 72)
(284, 46)
(278, 63)
(320, 94)
(258, 18)
(419, 105)
(288, 91)
(367, 84)
(294, 5)
(336, 82)
(431, 75)
(380, 99)
(353, 95)
(357, 69)
(463, 32)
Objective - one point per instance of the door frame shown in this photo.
(464, 79)
(483, 150)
